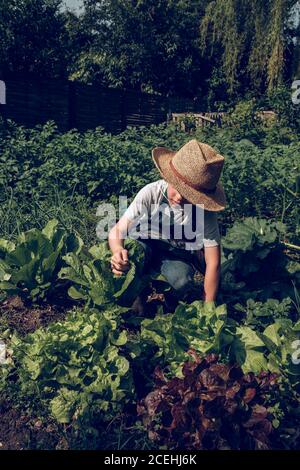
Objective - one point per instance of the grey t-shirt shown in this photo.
(189, 227)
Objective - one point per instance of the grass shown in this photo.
(72, 211)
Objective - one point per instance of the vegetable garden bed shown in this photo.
(82, 370)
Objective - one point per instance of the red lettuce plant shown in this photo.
(214, 406)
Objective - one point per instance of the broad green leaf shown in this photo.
(76, 294)
(6, 246)
(100, 251)
(9, 287)
(49, 265)
(50, 228)
(63, 406)
(271, 332)
(4, 271)
(254, 362)
(119, 339)
(249, 337)
(20, 256)
(73, 244)
(26, 274)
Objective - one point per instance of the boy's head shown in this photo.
(175, 197)
(194, 170)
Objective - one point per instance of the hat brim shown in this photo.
(215, 201)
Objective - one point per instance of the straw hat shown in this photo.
(194, 171)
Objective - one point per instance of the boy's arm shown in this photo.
(212, 255)
(119, 259)
(117, 235)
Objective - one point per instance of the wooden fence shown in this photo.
(30, 101)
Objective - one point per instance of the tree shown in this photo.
(214, 50)
(249, 41)
(150, 45)
(295, 33)
(32, 37)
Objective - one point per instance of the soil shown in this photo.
(20, 431)
(15, 315)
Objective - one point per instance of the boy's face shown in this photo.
(175, 197)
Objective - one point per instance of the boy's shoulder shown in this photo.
(156, 185)
(153, 190)
(149, 195)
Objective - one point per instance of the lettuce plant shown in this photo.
(282, 340)
(207, 329)
(255, 264)
(74, 367)
(200, 325)
(29, 267)
(213, 406)
(93, 280)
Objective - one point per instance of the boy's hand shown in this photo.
(119, 262)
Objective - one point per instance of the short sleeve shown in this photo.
(211, 229)
(140, 205)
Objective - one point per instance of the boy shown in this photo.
(188, 193)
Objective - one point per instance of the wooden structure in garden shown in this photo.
(199, 120)
(186, 120)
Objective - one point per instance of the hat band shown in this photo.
(192, 185)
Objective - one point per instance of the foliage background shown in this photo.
(215, 51)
